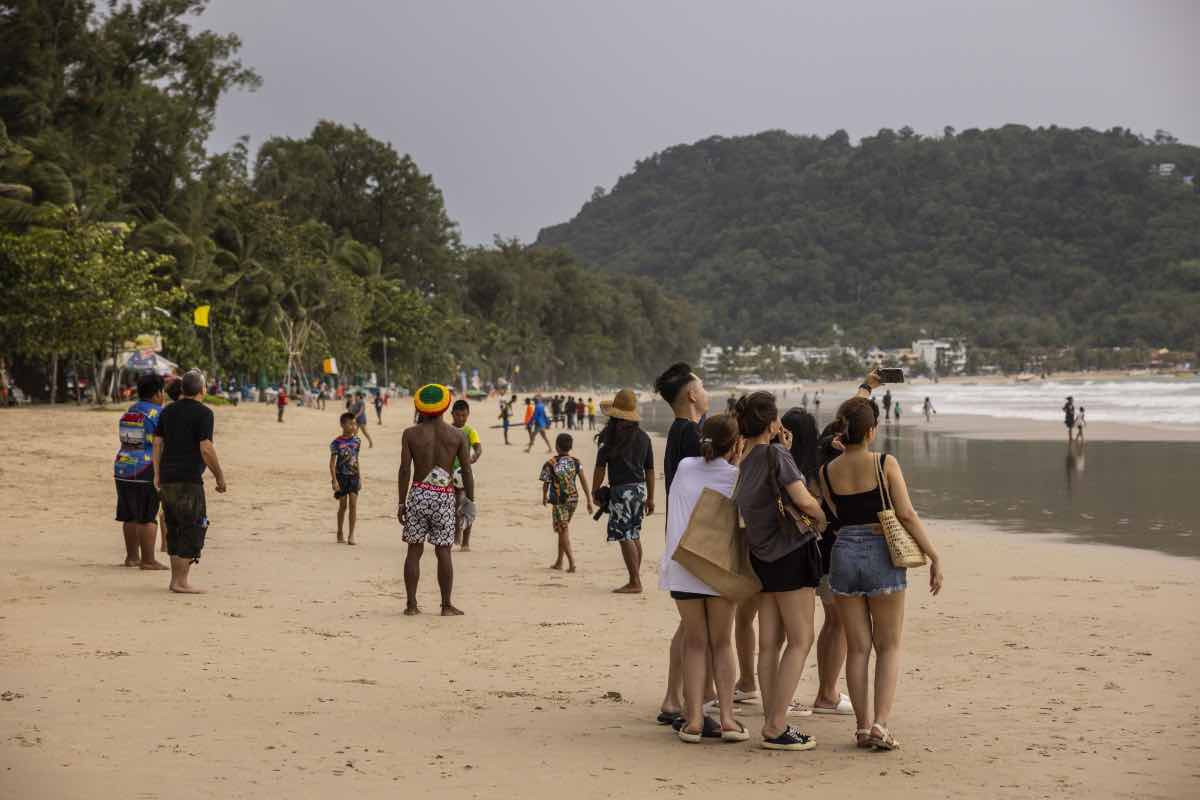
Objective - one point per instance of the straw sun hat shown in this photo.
(623, 406)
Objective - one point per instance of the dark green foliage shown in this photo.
(1012, 237)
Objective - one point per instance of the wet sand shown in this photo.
(1044, 669)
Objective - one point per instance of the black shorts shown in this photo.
(799, 569)
(690, 596)
(137, 502)
(186, 516)
(347, 484)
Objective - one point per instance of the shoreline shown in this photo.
(1045, 668)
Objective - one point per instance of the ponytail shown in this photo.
(718, 436)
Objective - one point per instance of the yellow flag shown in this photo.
(329, 366)
(200, 316)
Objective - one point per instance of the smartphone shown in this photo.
(891, 375)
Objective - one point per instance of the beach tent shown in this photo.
(144, 361)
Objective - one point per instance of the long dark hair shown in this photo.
(617, 437)
(803, 428)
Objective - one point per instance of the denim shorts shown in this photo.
(862, 565)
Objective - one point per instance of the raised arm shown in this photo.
(912, 523)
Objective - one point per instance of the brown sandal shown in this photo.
(863, 737)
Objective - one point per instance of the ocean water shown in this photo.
(1167, 401)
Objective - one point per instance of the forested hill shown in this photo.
(1012, 237)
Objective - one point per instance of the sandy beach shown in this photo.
(1045, 669)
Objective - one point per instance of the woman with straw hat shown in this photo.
(626, 456)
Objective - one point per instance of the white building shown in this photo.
(947, 356)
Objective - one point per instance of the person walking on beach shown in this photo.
(887, 407)
(344, 474)
(183, 447)
(870, 591)
(591, 413)
(929, 410)
(1080, 424)
(896, 410)
(133, 471)
(817, 404)
(427, 509)
(1069, 418)
(378, 403)
(787, 563)
(559, 477)
(569, 409)
(281, 401)
(539, 423)
(626, 456)
(359, 409)
(529, 417)
(579, 414)
(707, 618)
(506, 412)
(680, 388)
(459, 413)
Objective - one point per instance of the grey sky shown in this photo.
(520, 108)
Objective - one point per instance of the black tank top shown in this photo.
(857, 509)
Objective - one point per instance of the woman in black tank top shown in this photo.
(869, 590)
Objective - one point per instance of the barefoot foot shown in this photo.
(341, 539)
(185, 589)
(556, 565)
(351, 541)
(411, 611)
(131, 562)
(571, 568)
(629, 588)
(152, 565)
(451, 611)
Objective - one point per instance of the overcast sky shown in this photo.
(519, 108)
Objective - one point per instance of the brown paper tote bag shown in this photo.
(713, 548)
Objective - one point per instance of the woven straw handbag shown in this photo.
(902, 546)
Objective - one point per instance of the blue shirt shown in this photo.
(134, 461)
(346, 451)
(540, 420)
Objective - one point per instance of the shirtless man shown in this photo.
(428, 510)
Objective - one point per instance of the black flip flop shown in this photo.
(668, 717)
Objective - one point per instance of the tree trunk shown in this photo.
(53, 378)
(97, 378)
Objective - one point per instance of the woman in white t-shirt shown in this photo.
(707, 618)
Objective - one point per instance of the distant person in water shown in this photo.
(817, 404)
(1069, 418)
(1080, 424)
(887, 407)
(896, 410)
(427, 508)
(929, 410)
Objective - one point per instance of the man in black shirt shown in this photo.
(182, 449)
(684, 392)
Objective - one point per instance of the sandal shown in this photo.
(711, 729)
(740, 735)
(885, 741)
(668, 717)
(863, 737)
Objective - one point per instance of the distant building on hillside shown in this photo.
(745, 362)
(947, 356)
(1164, 170)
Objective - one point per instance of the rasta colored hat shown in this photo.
(623, 406)
(432, 399)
